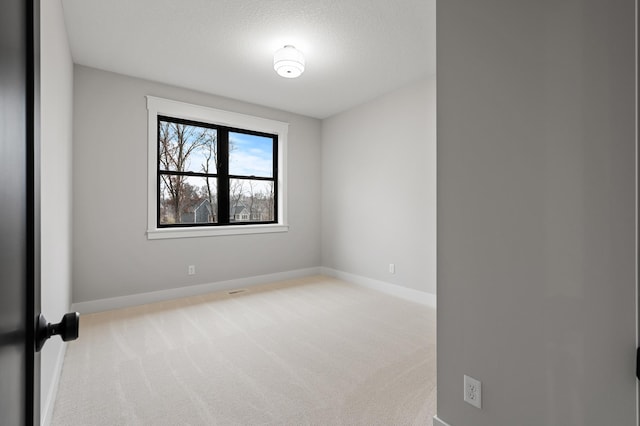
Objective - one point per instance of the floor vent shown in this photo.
(242, 290)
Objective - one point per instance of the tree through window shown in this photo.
(211, 175)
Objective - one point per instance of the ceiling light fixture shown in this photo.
(288, 62)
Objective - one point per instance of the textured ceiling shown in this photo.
(355, 50)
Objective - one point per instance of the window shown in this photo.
(214, 175)
(214, 172)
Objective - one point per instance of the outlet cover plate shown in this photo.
(473, 391)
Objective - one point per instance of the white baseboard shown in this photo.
(392, 289)
(108, 304)
(100, 305)
(438, 422)
(46, 410)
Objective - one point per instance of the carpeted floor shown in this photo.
(313, 351)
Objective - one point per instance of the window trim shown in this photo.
(181, 110)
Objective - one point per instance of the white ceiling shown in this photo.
(355, 50)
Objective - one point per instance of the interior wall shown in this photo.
(379, 188)
(536, 205)
(112, 255)
(56, 196)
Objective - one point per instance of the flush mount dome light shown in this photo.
(288, 62)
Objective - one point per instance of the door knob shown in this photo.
(67, 329)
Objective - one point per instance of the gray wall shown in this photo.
(536, 152)
(56, 143)
(379, 188)
(112, 256)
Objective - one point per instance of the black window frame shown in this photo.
(222, 174)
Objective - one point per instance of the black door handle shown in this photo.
(67, 329)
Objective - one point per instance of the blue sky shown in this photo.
(252, 155)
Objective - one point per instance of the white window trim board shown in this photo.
(159, 106)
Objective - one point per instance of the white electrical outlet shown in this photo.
(191, 270)
(473, 391)
(392, 268)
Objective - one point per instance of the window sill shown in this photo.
(165, 233)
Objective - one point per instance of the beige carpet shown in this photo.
(313, 351)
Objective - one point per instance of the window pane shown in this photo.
(250, 155)
(194, 198)
(251, 200)
(185, 148)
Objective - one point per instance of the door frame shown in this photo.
(33, 210)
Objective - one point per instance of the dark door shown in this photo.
(19, 233)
